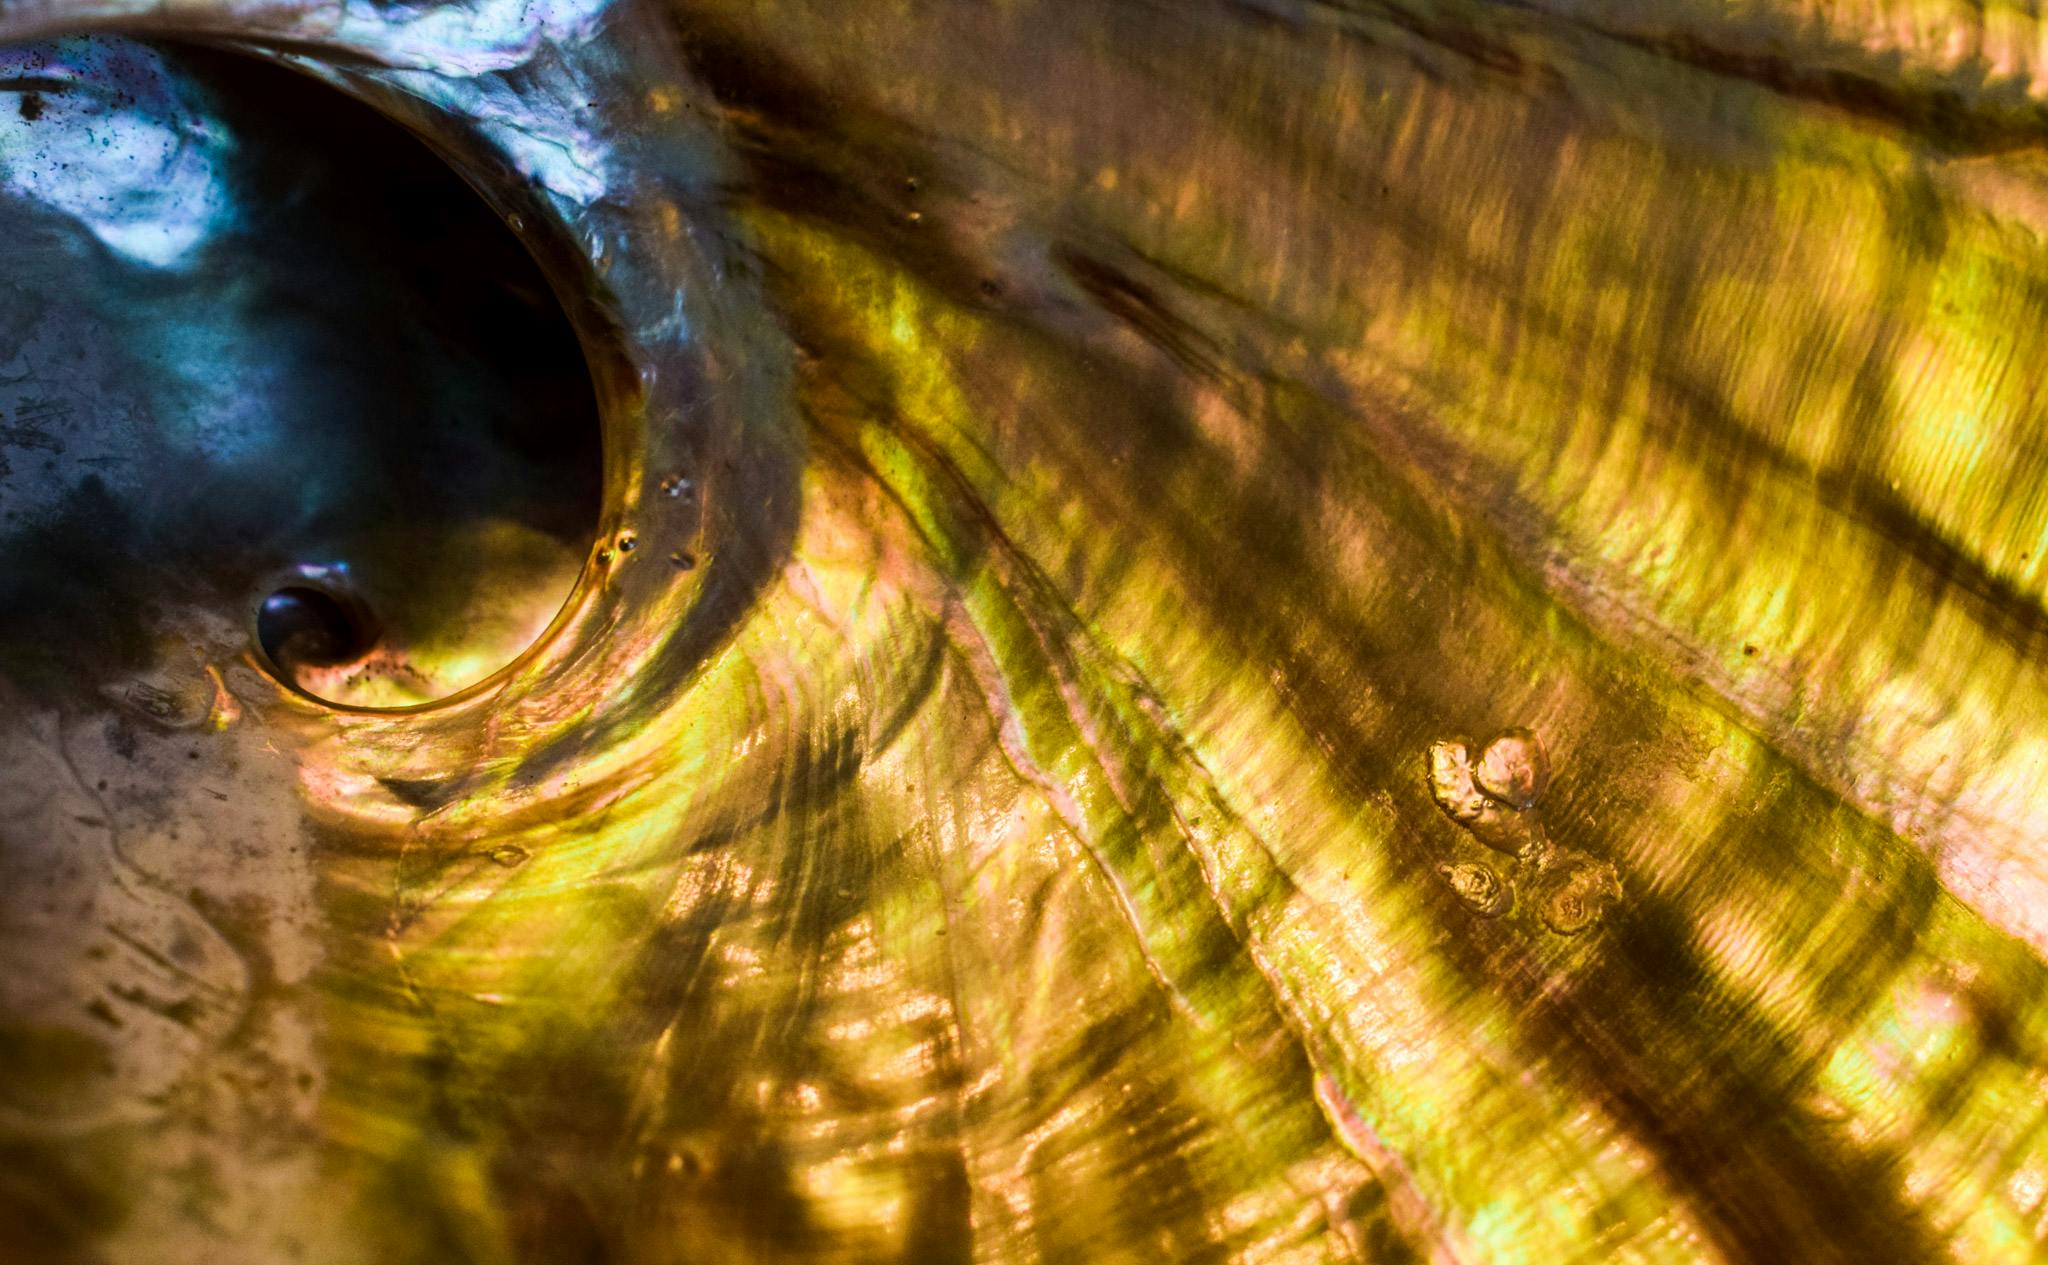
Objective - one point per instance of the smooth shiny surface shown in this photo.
(1263, 631)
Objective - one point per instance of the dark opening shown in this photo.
(299, 625)
(249, 327)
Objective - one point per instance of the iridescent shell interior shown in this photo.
(683, 632)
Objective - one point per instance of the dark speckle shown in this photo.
(182, 1012)
(31, 106)
(422, 792)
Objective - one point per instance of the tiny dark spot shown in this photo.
(100, 1010)
(682, 561)
(192, 755)
(1748, 648)
(31, 106)
(991, 288)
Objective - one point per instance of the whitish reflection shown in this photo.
(103, 132)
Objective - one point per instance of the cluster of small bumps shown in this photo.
(1494, 795)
